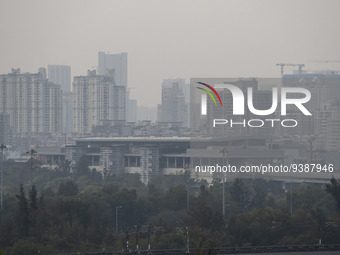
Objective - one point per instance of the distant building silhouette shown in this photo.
(146, 113)
(327, 124)
(96, 98)
(131, 109)
(175, 102)
(33, 103)
(5, 130)
(118, 62)
(61, 75)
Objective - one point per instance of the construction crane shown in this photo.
(287, 64)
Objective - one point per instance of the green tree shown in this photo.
(23, 213)
(176, 198)
(333, 188)
(33, 198)
(69, 188)
(240, 194)
(24, 247)
(82, 167)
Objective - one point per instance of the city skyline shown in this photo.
(171, 39)
(169, 127)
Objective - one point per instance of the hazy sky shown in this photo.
(169, 38)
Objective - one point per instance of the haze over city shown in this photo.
(169, 127)
(170, 39)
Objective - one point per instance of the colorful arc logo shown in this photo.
(208, 92)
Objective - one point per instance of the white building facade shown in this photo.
(96, 98)
(33, 103)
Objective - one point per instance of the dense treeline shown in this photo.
(71, 212)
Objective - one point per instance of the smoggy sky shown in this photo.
(170, 38)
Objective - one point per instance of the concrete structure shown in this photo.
(146, 113)
(333, 135)
(326, 124)
(96, 98)
(175, 102)
(149, 163)
(116, 62)
(143, 155)
(67, 102)
(33, 104)
(324, 85)
(150, 156)
(131, 110)
(61, 75)
(5, 130)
